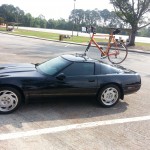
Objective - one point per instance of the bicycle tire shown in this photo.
(117, 53)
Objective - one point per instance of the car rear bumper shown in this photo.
(131, 89)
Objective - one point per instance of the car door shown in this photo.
(77, 79)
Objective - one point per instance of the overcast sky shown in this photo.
(56, 9)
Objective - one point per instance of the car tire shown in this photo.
(108, 96)
(10, 100)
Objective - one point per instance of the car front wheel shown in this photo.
(10, 100)
(109, 96)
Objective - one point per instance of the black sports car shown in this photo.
(66, 75)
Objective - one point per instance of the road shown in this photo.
(70, 124)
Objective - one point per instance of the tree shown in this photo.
(19, 15)
(134, 13)
(1, 20)
(76, 17)
(144, 32)
(7, 12)
(11, 13)
(51, 24)
(114, 21)
(106, 15)
(91, 17)
(28, 20)
(37, 22)
(43, 21)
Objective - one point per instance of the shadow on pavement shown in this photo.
(60, 109)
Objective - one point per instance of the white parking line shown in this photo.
(67, 45)
(6, 54)
(9, 136)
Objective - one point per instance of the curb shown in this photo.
(74, 43)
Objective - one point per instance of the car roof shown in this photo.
(78, 58)
(84, 58)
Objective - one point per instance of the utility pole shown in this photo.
(73, 17)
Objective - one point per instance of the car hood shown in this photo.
(14, 68)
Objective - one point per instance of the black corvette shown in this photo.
(66, 75)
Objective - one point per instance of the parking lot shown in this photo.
(72, 123)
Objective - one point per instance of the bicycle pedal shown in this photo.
(103, 54)
(103, 57)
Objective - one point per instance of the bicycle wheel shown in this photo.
(117, 53)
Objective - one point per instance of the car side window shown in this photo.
(79, 69)
(105, 69)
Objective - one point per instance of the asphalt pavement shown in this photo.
(70, 124)
(74, 43)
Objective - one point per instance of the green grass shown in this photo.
(48, 35)
(2, 29)
(33, 33)
(142, 44)
(37, 34)
(55, 36)
(81, 39)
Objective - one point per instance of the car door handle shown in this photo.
(92, 80)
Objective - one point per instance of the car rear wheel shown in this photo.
(109, 96)
(10, 100)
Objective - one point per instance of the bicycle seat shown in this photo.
(116, 31)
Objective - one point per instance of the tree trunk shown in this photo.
(6, 27)
(132, 38)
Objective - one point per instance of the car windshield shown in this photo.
(53, 66)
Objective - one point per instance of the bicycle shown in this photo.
(116, 50)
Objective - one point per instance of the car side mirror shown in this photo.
(61, 76)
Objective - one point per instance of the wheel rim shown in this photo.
(8, 100)
(109, 96)
(120, 51)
